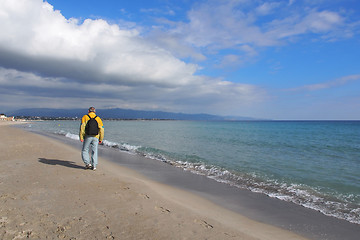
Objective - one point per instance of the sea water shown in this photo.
(315, 164)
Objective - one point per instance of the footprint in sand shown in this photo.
(61, 232)
(164, 210)
(145, 196)
(203, 223)
(24, 234)
(7, 196)
(3, 221)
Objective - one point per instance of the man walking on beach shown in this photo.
(91, 134)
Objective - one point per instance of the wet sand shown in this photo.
(46, 193)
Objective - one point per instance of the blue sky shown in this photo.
(285, 59)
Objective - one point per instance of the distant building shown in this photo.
(3, 117)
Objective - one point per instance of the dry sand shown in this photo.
(45, 193)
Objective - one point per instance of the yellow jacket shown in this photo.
(84, 121)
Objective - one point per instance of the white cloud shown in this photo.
(45, 57)
(231, 60)
(267, 8)
(222, 26)
(158, 11)
(323, 21)
(214, 26)
(203, 95)
(33, 30)
(330, 84)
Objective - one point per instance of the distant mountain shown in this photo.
(118, 113)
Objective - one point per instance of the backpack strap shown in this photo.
(90, 117)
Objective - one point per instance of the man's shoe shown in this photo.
(88, 166)
(94, 168)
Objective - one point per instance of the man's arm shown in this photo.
(101, 130)
(82, 128)
(101, 134)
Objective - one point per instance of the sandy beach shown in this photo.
(47, 194)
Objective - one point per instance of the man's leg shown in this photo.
(94, 150)
(85, 150)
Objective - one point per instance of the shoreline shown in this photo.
(306, 222)
(196, 197)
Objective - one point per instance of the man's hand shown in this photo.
(81, 140)
(100, 142)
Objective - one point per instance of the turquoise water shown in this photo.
(313, 164)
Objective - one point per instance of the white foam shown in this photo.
(299, 194)
(122, 146)
(110, 144)
(72, 136)
(129, 147)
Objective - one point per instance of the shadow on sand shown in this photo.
(60, 162)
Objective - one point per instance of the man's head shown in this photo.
(91, 109)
